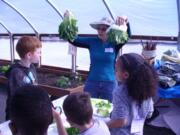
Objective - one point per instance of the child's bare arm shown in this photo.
(118, 123)
(60, 127)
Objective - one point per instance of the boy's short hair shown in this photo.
(77, 108)
(31, 110)
(27, 44)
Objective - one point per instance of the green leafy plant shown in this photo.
(71, 81)
(68, 28)
(4, 68)
(103, 112)
(63, 82)
(102, 104)
(72, 131)
(103, 108)
(116, 35)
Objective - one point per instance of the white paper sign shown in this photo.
(137, 123)
(137, 126)
(72, 50)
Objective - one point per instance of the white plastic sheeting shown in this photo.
(147, 17)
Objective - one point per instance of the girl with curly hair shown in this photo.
(132, 99)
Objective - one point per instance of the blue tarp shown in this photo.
(173, 92)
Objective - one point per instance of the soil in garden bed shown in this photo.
(62, 81)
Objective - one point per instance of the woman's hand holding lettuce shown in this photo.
(68, 28)
(117, 33)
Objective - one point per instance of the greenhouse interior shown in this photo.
(151, 24)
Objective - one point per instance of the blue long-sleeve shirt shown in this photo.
(102, 57)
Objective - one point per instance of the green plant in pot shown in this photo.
(4, 68)
(72, 81)
(63, 82)
(149, 51)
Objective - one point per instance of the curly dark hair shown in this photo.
(142, 81)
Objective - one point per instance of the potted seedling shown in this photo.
(149, 51)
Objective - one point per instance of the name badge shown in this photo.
(109, 50)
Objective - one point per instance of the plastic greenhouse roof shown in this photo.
(146, 17)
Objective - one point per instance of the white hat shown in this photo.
(103, 21)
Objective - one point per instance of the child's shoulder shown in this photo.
(99, 127)
(121, 88)
(15, 69)
(104, 127)
(120, 94)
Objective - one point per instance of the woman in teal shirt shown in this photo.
(101, 78)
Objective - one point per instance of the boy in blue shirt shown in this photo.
(23, 71)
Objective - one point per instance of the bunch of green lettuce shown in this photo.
(68, 28)
(117, 35)
(103, 108)
(102, 104)
(103, 112)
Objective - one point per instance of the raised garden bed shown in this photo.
(51, 79)
(60, 84)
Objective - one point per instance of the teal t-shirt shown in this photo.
(102, 58)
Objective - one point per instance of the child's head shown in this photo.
(77, 108)
(29, 48)
(30, 111)
(138, 75)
